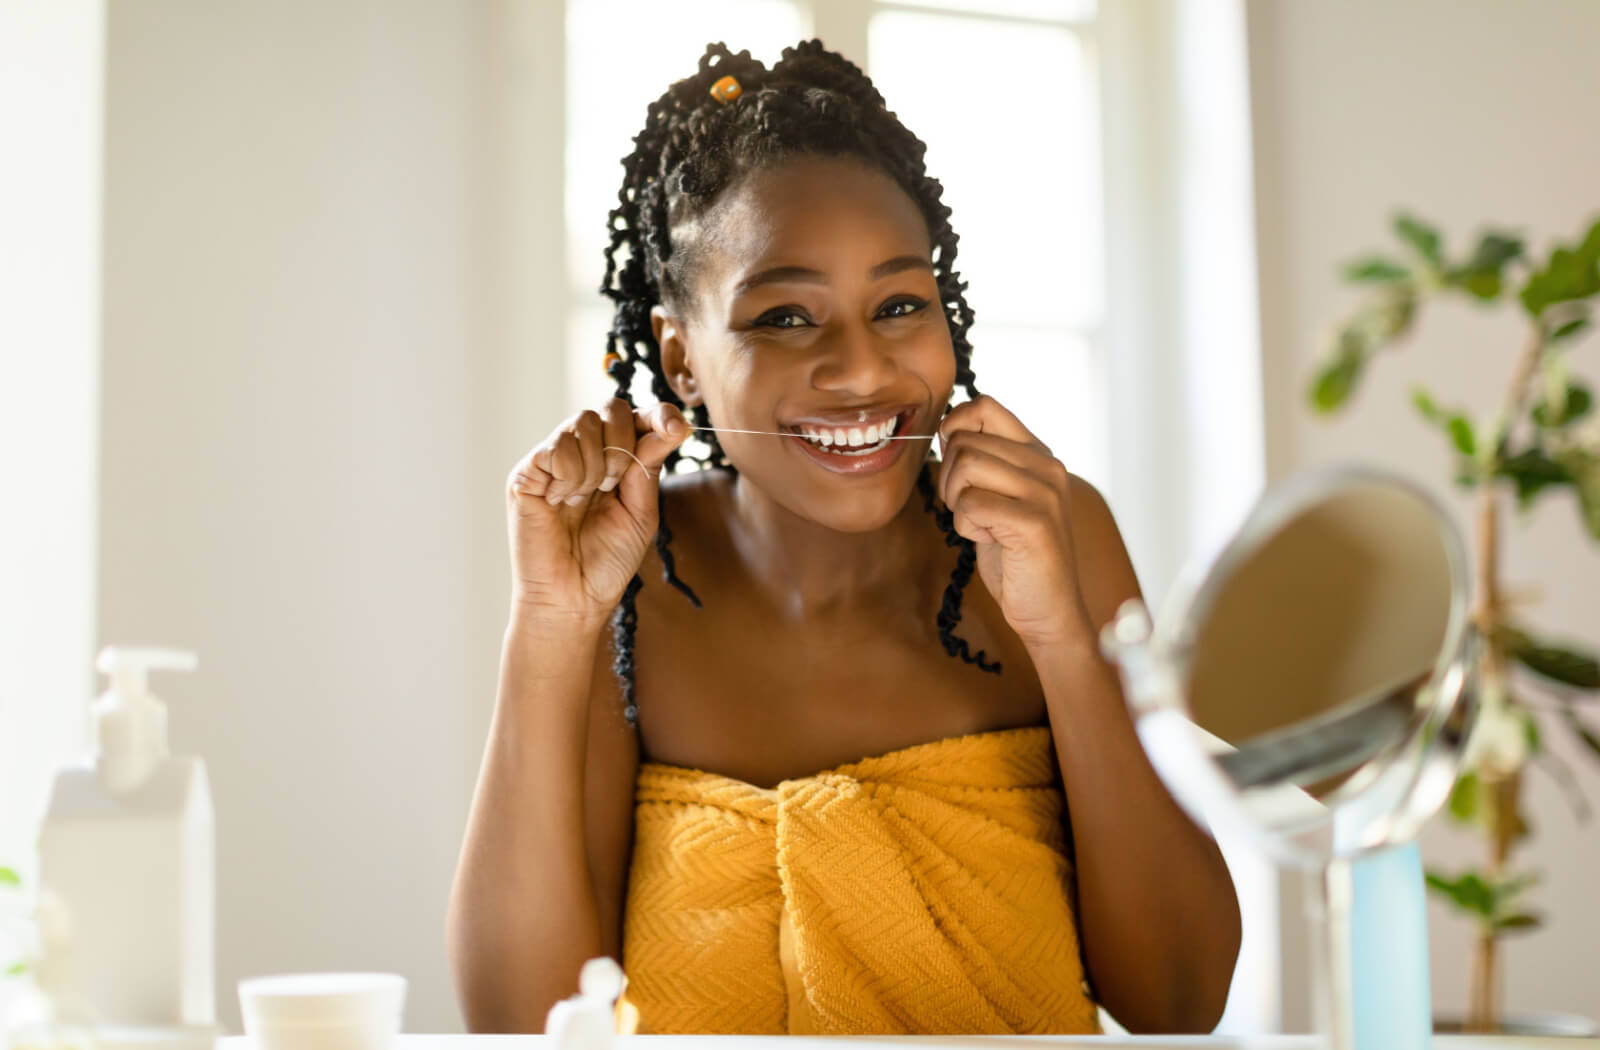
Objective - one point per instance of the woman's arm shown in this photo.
(1157, 911)
(540, 884)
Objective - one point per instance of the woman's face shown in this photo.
(814, 311)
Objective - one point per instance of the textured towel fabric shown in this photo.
(925, 891)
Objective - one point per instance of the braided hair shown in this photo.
(812, 102)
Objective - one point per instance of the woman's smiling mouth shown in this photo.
(863, 446)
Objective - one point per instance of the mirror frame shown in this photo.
(1395, 791)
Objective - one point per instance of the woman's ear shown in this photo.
(675, 366)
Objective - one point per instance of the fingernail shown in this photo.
(552, 499)
(575, 499)
(608, 484)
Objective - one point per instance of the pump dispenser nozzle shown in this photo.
(130, 724)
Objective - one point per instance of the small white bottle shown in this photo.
(587, 1021)
(128, 847)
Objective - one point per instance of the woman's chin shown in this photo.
(869, 509)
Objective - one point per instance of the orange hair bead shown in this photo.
(726, 90)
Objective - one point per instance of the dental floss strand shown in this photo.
(779, 433)
(766, 433)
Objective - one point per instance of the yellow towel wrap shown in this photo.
(925, 891)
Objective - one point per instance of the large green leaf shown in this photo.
(1571, 667)
(1468, 892)
(1532, 471)
(1571, 273)
(1492, 900)
(1340, 375)
(1576, 404)
(1376, 270)
(1463, 805)
(1455, 424)
(1522, 922)
(1574, 327)
(1424, 239)
(1494, 250)
(1482, 274)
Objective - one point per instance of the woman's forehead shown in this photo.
(820, 213)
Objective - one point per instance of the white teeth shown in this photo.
(854, 441)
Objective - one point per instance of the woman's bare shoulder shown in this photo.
(1105, 571)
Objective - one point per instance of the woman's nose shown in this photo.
(854, 362)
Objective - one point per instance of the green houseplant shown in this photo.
(1545, 437)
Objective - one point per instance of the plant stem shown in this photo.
(1482, 1014)
(1517, 390)
(1483, 1011)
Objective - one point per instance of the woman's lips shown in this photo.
(840, 462)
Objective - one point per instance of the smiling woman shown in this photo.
(782, 269)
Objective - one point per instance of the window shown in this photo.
(1019, 158)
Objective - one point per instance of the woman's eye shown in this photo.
(903, 307)
(782, 319)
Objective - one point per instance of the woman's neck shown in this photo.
(808, 570)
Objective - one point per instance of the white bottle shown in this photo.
(587, 1021)
(128, 848)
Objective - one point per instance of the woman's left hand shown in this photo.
(1013, 499)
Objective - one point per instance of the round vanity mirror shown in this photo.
(1311, 690)
(1310, 686)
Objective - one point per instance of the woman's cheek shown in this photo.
(936, 357)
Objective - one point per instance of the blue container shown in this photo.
(1393, 1003)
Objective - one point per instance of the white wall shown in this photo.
(50, 155)
(308, 381)
(1469, 112)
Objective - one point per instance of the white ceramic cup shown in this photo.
(323, 1011)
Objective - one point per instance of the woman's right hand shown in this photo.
(580, 517)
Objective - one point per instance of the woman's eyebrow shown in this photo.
(900, 264)
(806, 275)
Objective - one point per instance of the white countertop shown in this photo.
(976, 1042)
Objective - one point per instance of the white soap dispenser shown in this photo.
(128, 847)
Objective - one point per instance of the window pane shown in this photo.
(1052, 10)
(1050, 380)
(1019, 157)
(613, 76)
